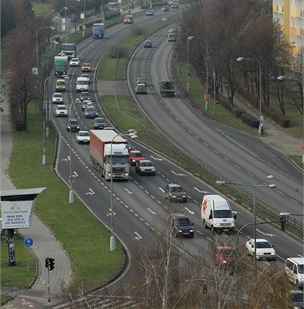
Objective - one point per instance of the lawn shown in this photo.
(42, 9)
(83, 237)
(23, 274)
(108, 69)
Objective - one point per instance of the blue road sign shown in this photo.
(28, 242)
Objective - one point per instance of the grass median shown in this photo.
(83, 237)
(20, 276)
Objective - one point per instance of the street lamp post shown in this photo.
(189, 39)
(261, 117)
(253, 186)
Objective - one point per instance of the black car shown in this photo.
(99, 123)
(73, 125)
(297, 299)
(181, 225)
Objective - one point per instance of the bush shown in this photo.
(249, 120)
(280, 119)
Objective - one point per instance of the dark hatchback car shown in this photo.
(73, 125)
(90, 112)
(175, 193)
(181, 225)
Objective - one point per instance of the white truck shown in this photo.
(108, 149)
(216, 213)
(82, 84)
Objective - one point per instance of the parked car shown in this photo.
(264, 249)
(149, 12)
(90, 112)
(75, 62)
(145, 167)
(61, 111)
(294, 269)
(83, 137)
(86, 67)
(175, 193)
(181, 225)
(57, 97)
(148, 44)
(73, 125)
(135, 156)
(99, 123)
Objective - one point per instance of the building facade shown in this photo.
(290, 15)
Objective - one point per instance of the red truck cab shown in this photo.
(135, 156)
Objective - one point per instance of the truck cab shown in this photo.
(135, 156)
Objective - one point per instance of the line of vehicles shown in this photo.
(113, 158)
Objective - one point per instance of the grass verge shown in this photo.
(20, 276)
(42, 9)
(299, 160)
(83, 237)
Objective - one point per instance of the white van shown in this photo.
(217, 214)
(294, 268)
(82, 83)
(60, 84)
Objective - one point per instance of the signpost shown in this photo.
(50, 265)
(28, 242)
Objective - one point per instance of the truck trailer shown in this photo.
(108, 149)
(69, 50)
(61, 65)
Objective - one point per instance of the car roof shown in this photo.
(57, 93)
(297, 260)
(61, 105)
(73, 119)
(259, 240)
(173, 185)
(83, 131)
(145, 161)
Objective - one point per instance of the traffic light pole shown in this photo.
(48, 287)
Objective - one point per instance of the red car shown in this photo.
(224, 256)
(135, 156)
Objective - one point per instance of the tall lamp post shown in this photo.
(189, 39)
(253, 187)
(261, 120)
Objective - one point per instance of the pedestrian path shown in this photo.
(45, 243)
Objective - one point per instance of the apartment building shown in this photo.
(290, 15)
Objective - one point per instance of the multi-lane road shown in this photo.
(140, 211)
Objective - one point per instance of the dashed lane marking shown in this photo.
(161, 189)
(137, 236)
(128, 191)
(156, 158)
(151, 211)
(90, 192)
(190, 211)
(265, 234)
(177, 174)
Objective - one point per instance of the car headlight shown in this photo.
(174, 196)
(184, 196)
(126, 174)
(180, 231)
(191, 231)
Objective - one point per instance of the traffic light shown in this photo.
(50, 263)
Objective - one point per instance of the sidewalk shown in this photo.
(275, 136)
(45, 243)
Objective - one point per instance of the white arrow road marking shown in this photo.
(111, 212)
(190, 211)
(265, 234)
(137, 236)
(177, 174)
(151, 211)
(75, 174)
(156, 158)
(90, 192)
(161, 189)
(199, 190)
(128, 191)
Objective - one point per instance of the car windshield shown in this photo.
(58, 95)
(298, 297)
(146, 164)
(73, 122)
(177, 189)
(61, 107)
(98, 121)
(301, 269)
(263, 244)
(60, 82)
(82, 82)
(83, 133)
(91, 109)
(184, 221)
(75, 59)
(119, 160)
(223, 213)
(136, 154)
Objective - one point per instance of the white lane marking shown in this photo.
(151, 211)
(190, 211)
(199, 190)
(161, 189)
(156, 158)
(111, 212)
(265, 234)
(128, 191)
(137, 236)
(75, 174)
(90, 192)
(177, 174)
